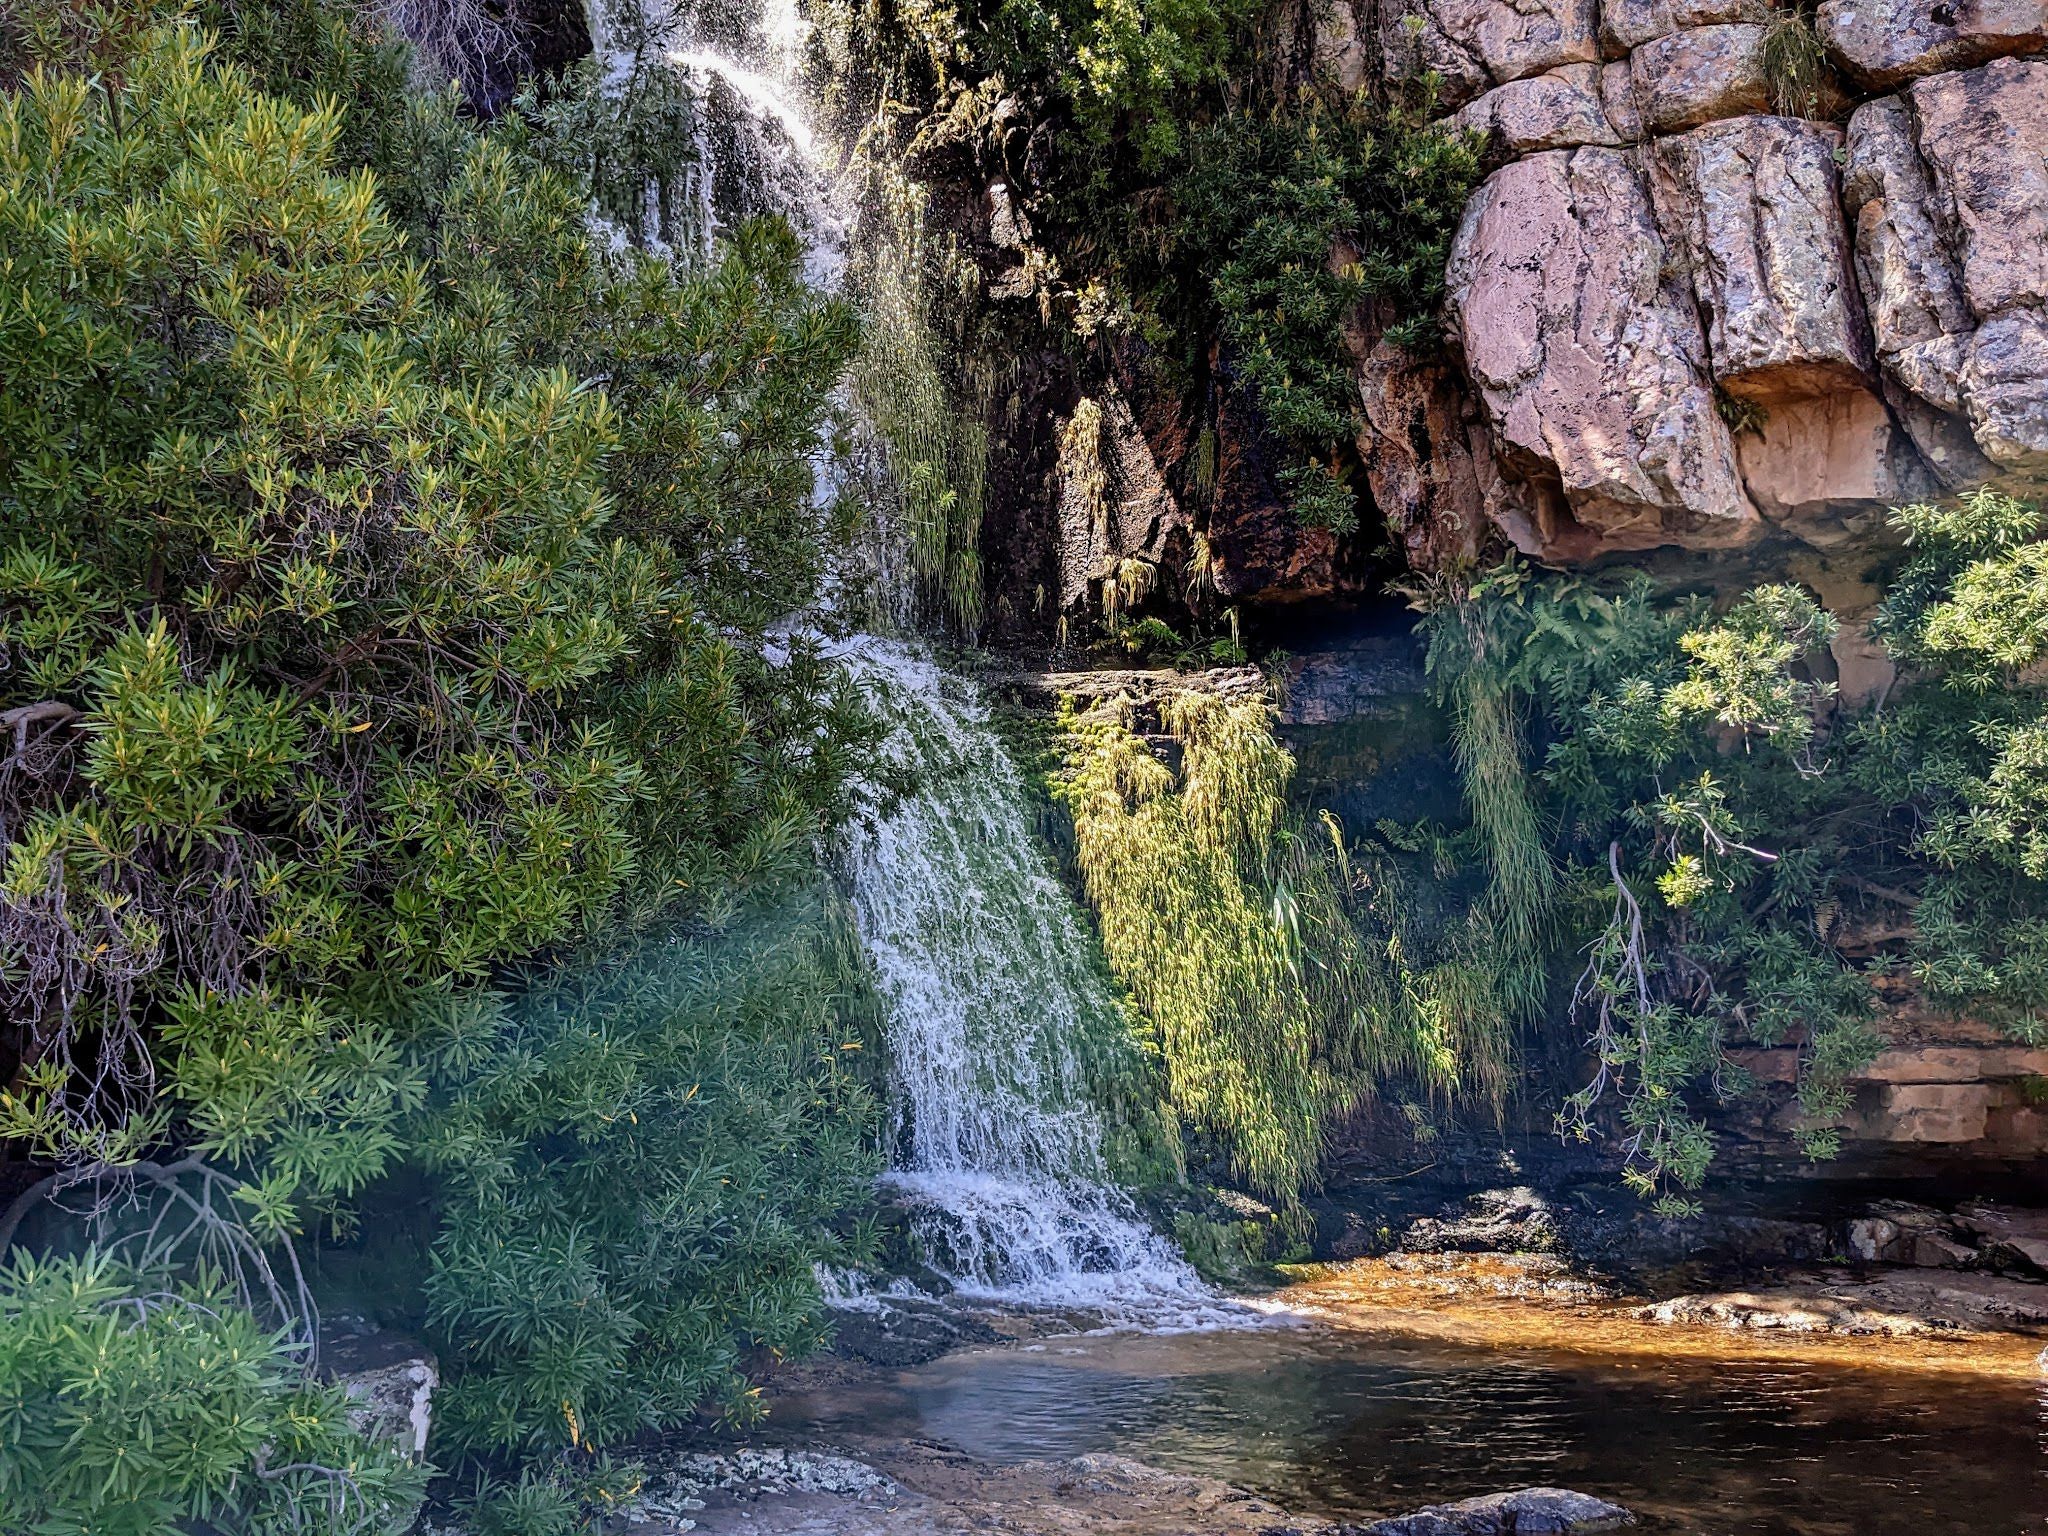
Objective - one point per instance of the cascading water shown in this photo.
(978, 951)
(981, 959)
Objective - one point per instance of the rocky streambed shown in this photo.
(1423, 1394)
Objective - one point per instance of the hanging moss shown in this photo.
(1237, 928)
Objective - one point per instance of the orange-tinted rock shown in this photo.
(1830, 456)
(1258, 549)
(1428, 460)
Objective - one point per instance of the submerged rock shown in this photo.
(1522, 1512)
(902, 1332)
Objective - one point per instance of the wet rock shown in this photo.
(1796, 1312)
(1144, 687)
(1884, 43)
(1558, 110)
(1114, 504)
(1588, 357)
(390, 1379)
(1258, 548)
(1429, 461)
(902, 1332)
(1698, 75)
(1753, 207)
(1522, 1512)
(2006, 1237)
(1474, 44)
(1515, 1220)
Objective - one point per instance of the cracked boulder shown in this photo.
(1752, 208)
(1558, 110)
(1881, 44)
(1698, 75)
(1473, 45)
(1626, 24)
(1984, 136)
(1948, 184)
(1587, 355)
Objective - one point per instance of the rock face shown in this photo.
(1114, 504)
(1589, 359)
(1473, 44)
(1882, 44)
(1689, 321)
(1697, 75)
(1752, 207)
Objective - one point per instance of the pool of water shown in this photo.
(1347, 1427)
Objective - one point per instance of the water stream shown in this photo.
(1352, 1428)
(978, 951)
(983, 963)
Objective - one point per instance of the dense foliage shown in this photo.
(1704, 837)
(385, 572)
(1256, 949)
(1292, 223)
(640, 1179)
(130, 1410)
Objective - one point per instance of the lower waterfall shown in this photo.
(982, 961)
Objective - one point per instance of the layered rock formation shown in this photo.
(1678, 318)
(1688, 321)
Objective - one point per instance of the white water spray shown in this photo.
(982, 960)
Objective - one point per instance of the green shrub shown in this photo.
(128, 1408)
(639, 1180)
(1700, 819)
(383, 588)
(358, 648)
(1291, 222)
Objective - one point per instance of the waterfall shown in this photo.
(982, 961)
(979, 952)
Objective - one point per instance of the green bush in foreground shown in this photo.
(640, 1179)
(384, 572)
(128, 1409)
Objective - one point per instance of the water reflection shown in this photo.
(1343, 1428)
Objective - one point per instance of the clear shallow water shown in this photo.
(1347, 1427)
